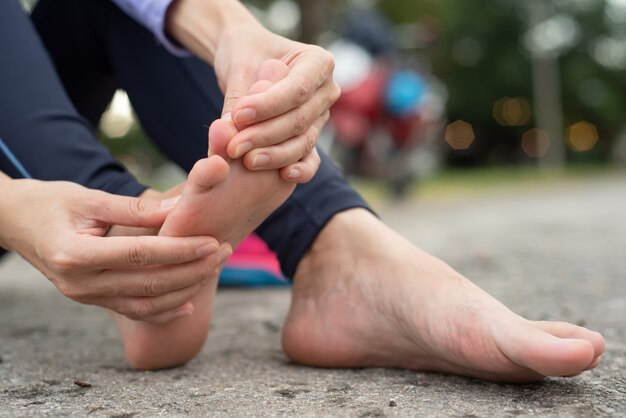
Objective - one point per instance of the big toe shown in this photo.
(221, 132)
(547, 354)
(273, 70)
(567, 330)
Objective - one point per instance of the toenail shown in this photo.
(243, 148)
(260, 160)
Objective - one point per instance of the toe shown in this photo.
(221, 132)
(260, 87)
(207, 173)
(595, 363)
(567, 330)
(273, 70)
(546, 354)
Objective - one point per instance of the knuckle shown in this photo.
(317, 160)
(137, 206)
(63, 263)
(335, 93)
(328, 60)
(138, 255)
(300, 121)
(303, 90)
(325, 117)
(152, 287)
(140, 309)
(65, 288)
(310, 138)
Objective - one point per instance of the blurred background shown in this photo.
(436, 89)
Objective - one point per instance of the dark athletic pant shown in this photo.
(60, 69)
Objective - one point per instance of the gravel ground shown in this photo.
(550, 252)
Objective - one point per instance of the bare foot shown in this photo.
(364, 296)
(222, 200)
(228, 206)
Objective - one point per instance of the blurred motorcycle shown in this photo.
(388, 111)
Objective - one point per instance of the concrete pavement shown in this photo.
(557, 251)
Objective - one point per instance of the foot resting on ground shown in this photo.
(364, 296)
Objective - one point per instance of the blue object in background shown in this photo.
(250, 277)
(404, 91)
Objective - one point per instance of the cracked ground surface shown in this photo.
(554, 251)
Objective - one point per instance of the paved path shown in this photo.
(552, 252)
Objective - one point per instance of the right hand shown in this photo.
(60, 229)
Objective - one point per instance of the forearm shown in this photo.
(199, 24)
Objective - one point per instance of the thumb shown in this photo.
(237, 86)
(132, 211)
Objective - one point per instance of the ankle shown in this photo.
(336, 238)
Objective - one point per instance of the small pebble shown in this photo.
(82, 384)
(392, 403)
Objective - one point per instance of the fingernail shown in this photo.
(227, 117)
(245, 115)
(260, 160)
(206, 250)
(223, 255)
(294, 173)
(168, 203)
(243, 148)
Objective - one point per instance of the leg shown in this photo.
(364, 296)
(39, 126)
(42, 134)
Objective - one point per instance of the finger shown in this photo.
(129, 211)
(239, 82)
(288, 152)
(149, 281)
(303, 171)
(140, 308)
(308, 72)
(111, 253)
(279, 129)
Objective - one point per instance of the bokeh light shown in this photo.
(582, 136)
(512, 111)
(459, 135)
(118, 118)
(535, 143)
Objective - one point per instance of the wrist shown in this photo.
(199, 24)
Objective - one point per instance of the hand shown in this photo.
(60, 229)
(281, 125)
(284, 122)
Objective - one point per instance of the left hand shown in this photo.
(284, 122)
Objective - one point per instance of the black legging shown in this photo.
(49, 104)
